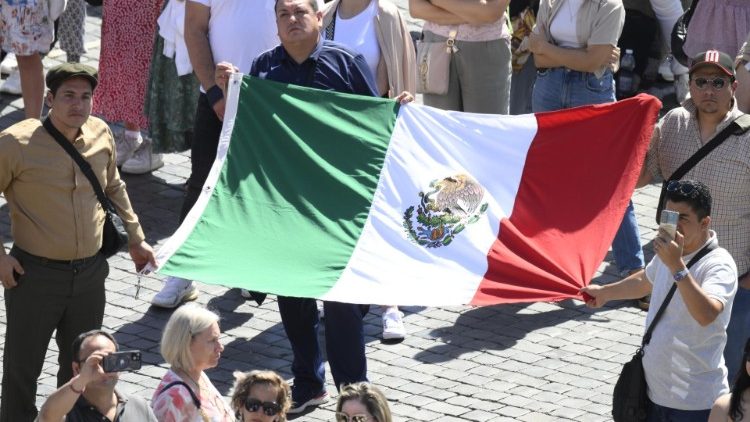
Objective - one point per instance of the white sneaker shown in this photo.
(143, 161)
(665, 69)
(393, 324)
(9, 64)
(126, 147)
(681, 87)
(175, 291)
(12, 85)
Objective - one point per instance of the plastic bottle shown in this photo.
(626, 75)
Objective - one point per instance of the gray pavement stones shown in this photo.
(520, 362)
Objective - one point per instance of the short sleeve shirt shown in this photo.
(129, 409)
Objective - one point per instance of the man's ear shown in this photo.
(48, 99)
(76, 368)
(706, 222)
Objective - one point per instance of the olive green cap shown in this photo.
(60, 73)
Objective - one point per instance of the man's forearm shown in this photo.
(702, 308)
(61, 402)
(633, 287)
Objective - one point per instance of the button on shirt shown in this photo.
(54, 211)
(331, 66)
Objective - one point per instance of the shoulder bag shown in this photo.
(114, 236)
(434, 64)
(196, 400)
(630, 398)
(739, 126)
(679, 34)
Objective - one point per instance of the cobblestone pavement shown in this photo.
(527, 362)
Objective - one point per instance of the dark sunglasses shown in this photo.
(269, 408)
(683, 188)
(343, 417)
(716, 83)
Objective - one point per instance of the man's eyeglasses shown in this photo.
(716, 83)
(269, 408)
(343, 417)
(685, 189)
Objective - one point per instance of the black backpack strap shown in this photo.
(738, 126)
(82, 163)
(697, 257)
(187, 387)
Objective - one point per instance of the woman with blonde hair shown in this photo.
(362, 402)
(260, 396)
(190, 344)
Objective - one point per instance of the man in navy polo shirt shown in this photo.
(303, 58)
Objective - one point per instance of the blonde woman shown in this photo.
(190, 344)
(260, 396)
(362, 402)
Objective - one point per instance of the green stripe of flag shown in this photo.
(300, 173)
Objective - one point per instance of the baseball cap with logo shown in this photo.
(713, 58)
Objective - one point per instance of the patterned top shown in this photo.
(176, 404)
(726, 172)
(25, 26)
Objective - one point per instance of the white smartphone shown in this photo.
(668, 222)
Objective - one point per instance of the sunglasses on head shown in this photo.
(269, 408)
(343, 417)
(716, 83)
(683, 188)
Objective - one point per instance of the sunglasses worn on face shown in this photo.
(716, 83)
(683, 188)
(269, 408)
(343, 417)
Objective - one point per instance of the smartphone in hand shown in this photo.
(126, 360)
(668, 222)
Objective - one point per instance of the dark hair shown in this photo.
(741, 383)
(244, 382)
(313, 4)
(694, 193)
(78, 342)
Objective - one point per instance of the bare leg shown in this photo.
(32, 84)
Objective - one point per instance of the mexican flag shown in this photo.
(355, 199)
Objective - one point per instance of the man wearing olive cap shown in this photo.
(54, 275)
(726, 171)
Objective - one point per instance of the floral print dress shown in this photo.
(25, 26)
(176, 404)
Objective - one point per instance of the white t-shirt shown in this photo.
(563, 26)
(358, 33)
(239, 30)
(684, 362)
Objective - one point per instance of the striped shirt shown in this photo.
(726, 171)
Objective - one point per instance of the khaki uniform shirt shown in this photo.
(54, 211)
(726, 172)
(598, 22)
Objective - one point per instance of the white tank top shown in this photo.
(358, 33)
(563, 28)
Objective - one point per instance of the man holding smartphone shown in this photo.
(91, 394)
(683, 363)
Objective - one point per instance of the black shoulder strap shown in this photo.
(82, 163)
(697, 257)
(187, 387)
(738, 126)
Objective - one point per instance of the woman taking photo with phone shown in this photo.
(190, 344)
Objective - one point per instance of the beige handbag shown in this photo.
(434, 64)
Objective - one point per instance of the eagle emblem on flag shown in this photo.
(444, 211)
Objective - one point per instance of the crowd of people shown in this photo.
(160, 87)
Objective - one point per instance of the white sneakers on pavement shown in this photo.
(12, 85)
(175, 291)
(9, 64)
(126, 146)
(393, 324)
(143, 160)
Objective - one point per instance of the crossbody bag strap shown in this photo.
(697, 257)
(82, 163)
(196, 401)
(738, 126)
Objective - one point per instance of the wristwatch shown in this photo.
(679, 275)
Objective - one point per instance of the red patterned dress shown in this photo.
(128, 29)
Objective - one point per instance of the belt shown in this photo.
(45, 261)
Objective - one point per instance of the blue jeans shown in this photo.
(559, 88)
(658, 413)
(738, 331)
(345, 344)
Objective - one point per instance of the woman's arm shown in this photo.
(423, 9)
(475, 12)
(587, 59)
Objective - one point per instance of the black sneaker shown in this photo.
(300, 406)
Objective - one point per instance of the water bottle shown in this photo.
(626, 75)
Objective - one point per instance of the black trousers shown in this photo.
(69, 298)
(206, 134)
